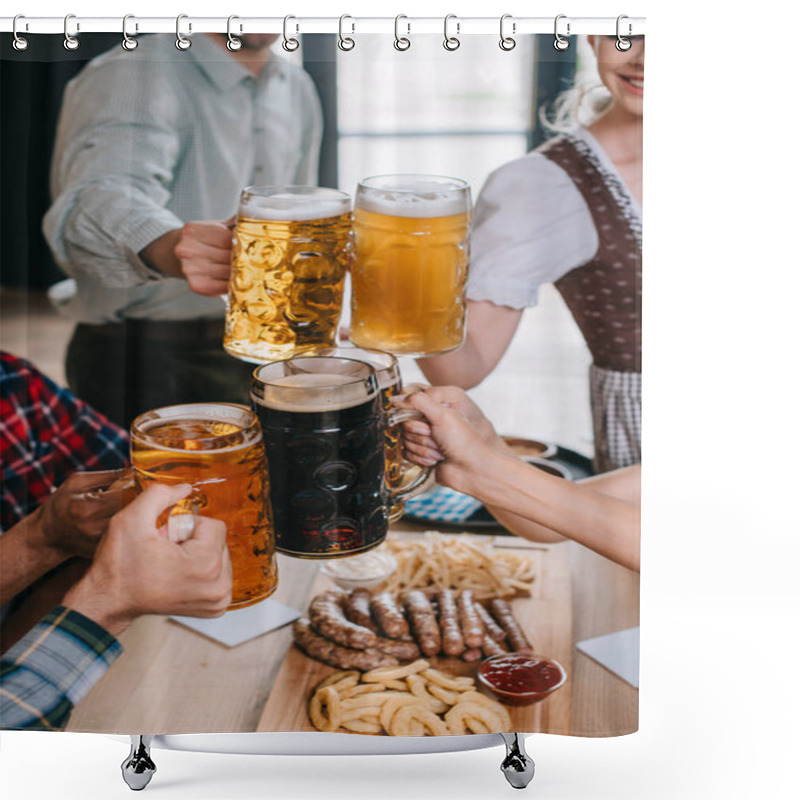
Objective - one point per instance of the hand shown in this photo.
(204, 251)
(457, 437)
(73, 519)
(421, 436)
(138, 570)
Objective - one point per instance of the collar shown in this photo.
(221, 69)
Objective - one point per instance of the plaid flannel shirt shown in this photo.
(46, 433)
(54, 666)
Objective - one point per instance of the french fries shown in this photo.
(435, 561)
(412, 700)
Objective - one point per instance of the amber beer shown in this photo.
(219, 449)
(291, 251)
(410, 268)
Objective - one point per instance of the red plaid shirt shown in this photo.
(46, 434)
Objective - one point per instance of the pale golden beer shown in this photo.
(291, 251)
(409, 273)
(219, 449)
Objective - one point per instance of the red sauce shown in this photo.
(521, 674)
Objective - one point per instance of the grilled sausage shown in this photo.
(404, 651)
(390, 617)
(328, 652)
(501, 611)
(356, 609)
(452, 640)
(423, 622)
(473, 654)
(492, 628)
(471, 626)
(326, 614)
(491, 647)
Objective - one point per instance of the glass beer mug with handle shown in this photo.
(401, 475)
(324, 428)
(219, 449)
(409, 272)
(291, 251)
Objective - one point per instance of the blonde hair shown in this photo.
(578, 106)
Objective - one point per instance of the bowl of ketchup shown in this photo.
(520, 679)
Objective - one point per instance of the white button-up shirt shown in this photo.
(151, 138)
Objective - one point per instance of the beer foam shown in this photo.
(329, 392)
(192, 415)
(421, 198)
(289, 207)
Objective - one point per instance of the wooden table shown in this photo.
(173, 680)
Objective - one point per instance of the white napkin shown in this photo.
(618, 652)
(241, 625)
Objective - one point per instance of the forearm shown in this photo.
(490, 329)
(25, 556)
(543, 508)
(463, 367)
(160, 254)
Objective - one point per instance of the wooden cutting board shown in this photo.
(546, 617)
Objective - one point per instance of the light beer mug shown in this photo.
(400, 474)
(324, 430)
(409, 272)
(291, 251)
(218, 448)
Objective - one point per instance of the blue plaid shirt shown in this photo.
(54, 666)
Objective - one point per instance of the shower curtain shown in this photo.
(108, 150)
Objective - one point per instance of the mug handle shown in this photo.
(398, 417)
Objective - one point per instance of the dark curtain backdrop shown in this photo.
(31, 86)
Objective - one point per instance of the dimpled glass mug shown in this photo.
(218, 448)
(324, 429)
(291, 250)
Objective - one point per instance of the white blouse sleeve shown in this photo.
(531, 227)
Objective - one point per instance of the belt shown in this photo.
(186, 330)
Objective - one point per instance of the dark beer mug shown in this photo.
(324, 430)
(400, 474)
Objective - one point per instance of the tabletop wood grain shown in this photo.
(172, 680)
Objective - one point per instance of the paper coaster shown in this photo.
(241, 625)
(617, 652)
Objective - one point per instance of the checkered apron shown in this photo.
(616, 399)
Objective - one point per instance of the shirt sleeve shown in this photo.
(52, 668)
(531, 227)
(46, 433)
(117, 146)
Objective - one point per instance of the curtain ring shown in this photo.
(451, 42)
(181, 42)
(346, 43)
(20, 43)
(70, 42)
(401, 42)
(289, 44)
(233, 44)
(560, 43)
(623, 44)
(507, 42)
(128, 42)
